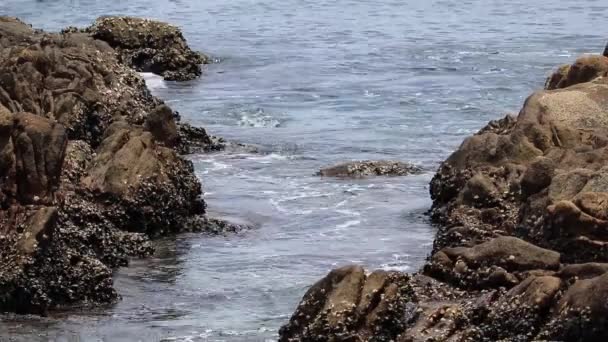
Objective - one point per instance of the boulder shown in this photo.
(500, 262)
(537, 176)
(14, 32)
(150, 46)
(159, 188)
(581, 314)
(161, 123)
(368, 168)
(583, 271)
(32, 149)
(509, 252)
(73, 83)
(585, 69)
(347, 302)
(38, 229)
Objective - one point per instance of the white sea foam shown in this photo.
(257, 118)
(349, 223)
(267, 158)
(153, 81)
(368, 93)
(284, 210)
(213, 165)
(395, 267)
(348, 212)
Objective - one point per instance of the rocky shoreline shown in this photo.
(92, 169)
(521, 252)
(90, 162)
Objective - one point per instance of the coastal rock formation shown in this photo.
(90, 164)
(150, 46)
(584, 69)
(350, 303)
(356, 169)
(522, 245)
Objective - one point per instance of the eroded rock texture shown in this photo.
(90, 164)
(522, 245)
(150, 46)
(366, 168)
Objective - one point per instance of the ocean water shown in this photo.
(313, 83)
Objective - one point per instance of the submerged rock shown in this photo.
(370, 168)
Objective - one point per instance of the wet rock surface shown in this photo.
(150, 46)
(367, 168)
(90, 164)
(521, 249)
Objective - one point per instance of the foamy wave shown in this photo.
(268, 158)
(347, 212)
(284, 210)
(212, 165)
(400, 264)
(394, 267)
(349, 224)
(258, 118)
(368, 93)
(153, 81)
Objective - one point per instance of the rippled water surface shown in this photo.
(313, 82)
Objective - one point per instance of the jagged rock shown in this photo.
(73, 83)
(150, 46)
(537, 176)
(348, 303)
(31, 150)
(583, 70)
(158, 187)
(479, 191)
(502, 261)
(583, 271)
(38, 229)
(89, 164)
(161, 123)
(195, 139)
(581, 314)
(509, 252)
(370, 168)
(14, 32)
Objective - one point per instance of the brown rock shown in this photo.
(161, 123)
(536, 291)
(32, 149)
(537, 176)
(39, 229)
(479, 191)
(515, 254)
(370, 168)
(86, 159)
(150, 46)
(585, 69)
(583, 271)
(348, 303)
